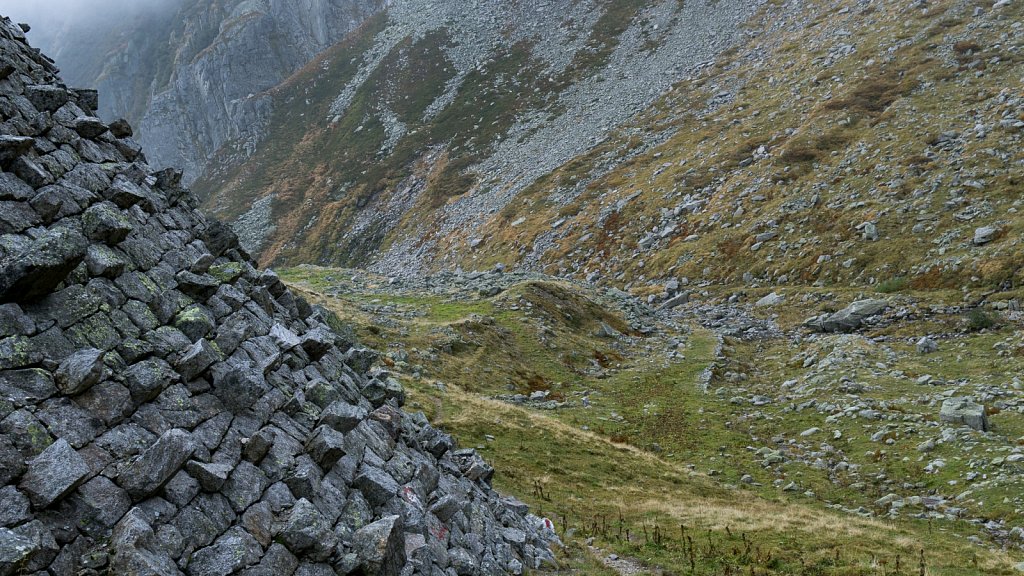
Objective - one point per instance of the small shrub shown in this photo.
(965, 47)
(452, 180)
(935, 278)
(874, 95)
(917, 160)
(813, 148)
(891, 285)
(978, 320)
(800, 151)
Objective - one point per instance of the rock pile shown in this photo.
(167, 408)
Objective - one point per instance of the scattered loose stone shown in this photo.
(772, 299)
(984, 235)
(927, 346)
(849, 318)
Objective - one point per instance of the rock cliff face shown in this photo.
(230, 55)
(167, 408)
(193, 74)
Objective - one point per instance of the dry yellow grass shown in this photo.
(688, 497)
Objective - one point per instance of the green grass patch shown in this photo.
(898, 284)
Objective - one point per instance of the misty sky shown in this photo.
(41, 12)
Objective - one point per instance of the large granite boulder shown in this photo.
(848, 319)
(964, 411)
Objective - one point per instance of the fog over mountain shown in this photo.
(189, 74)
(51, 20)
(41, 13)
(101, 44)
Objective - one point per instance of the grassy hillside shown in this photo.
(631, 451)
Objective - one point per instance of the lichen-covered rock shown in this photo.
(102, 261)
(104, 222)
(380, 546)
(30, 386)
(47, 97)
(157, 464)
(307, 531)
(965, 412)
(15, 551)
(41, 264)
(148, 378)
(14, 506)
(343, 416)
(327, 446)
(80, 371)
(135, 549)
(102, 503)
(167, 408)
(53, 474)
(231, 552)
(197, 358)
(12, 147)
(377, 486)
(89, 126)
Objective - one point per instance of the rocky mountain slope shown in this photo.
(168, 408)
(468, 102)
(645, 143)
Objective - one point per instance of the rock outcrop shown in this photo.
(168, 408)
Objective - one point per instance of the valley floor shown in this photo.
(719, 436)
